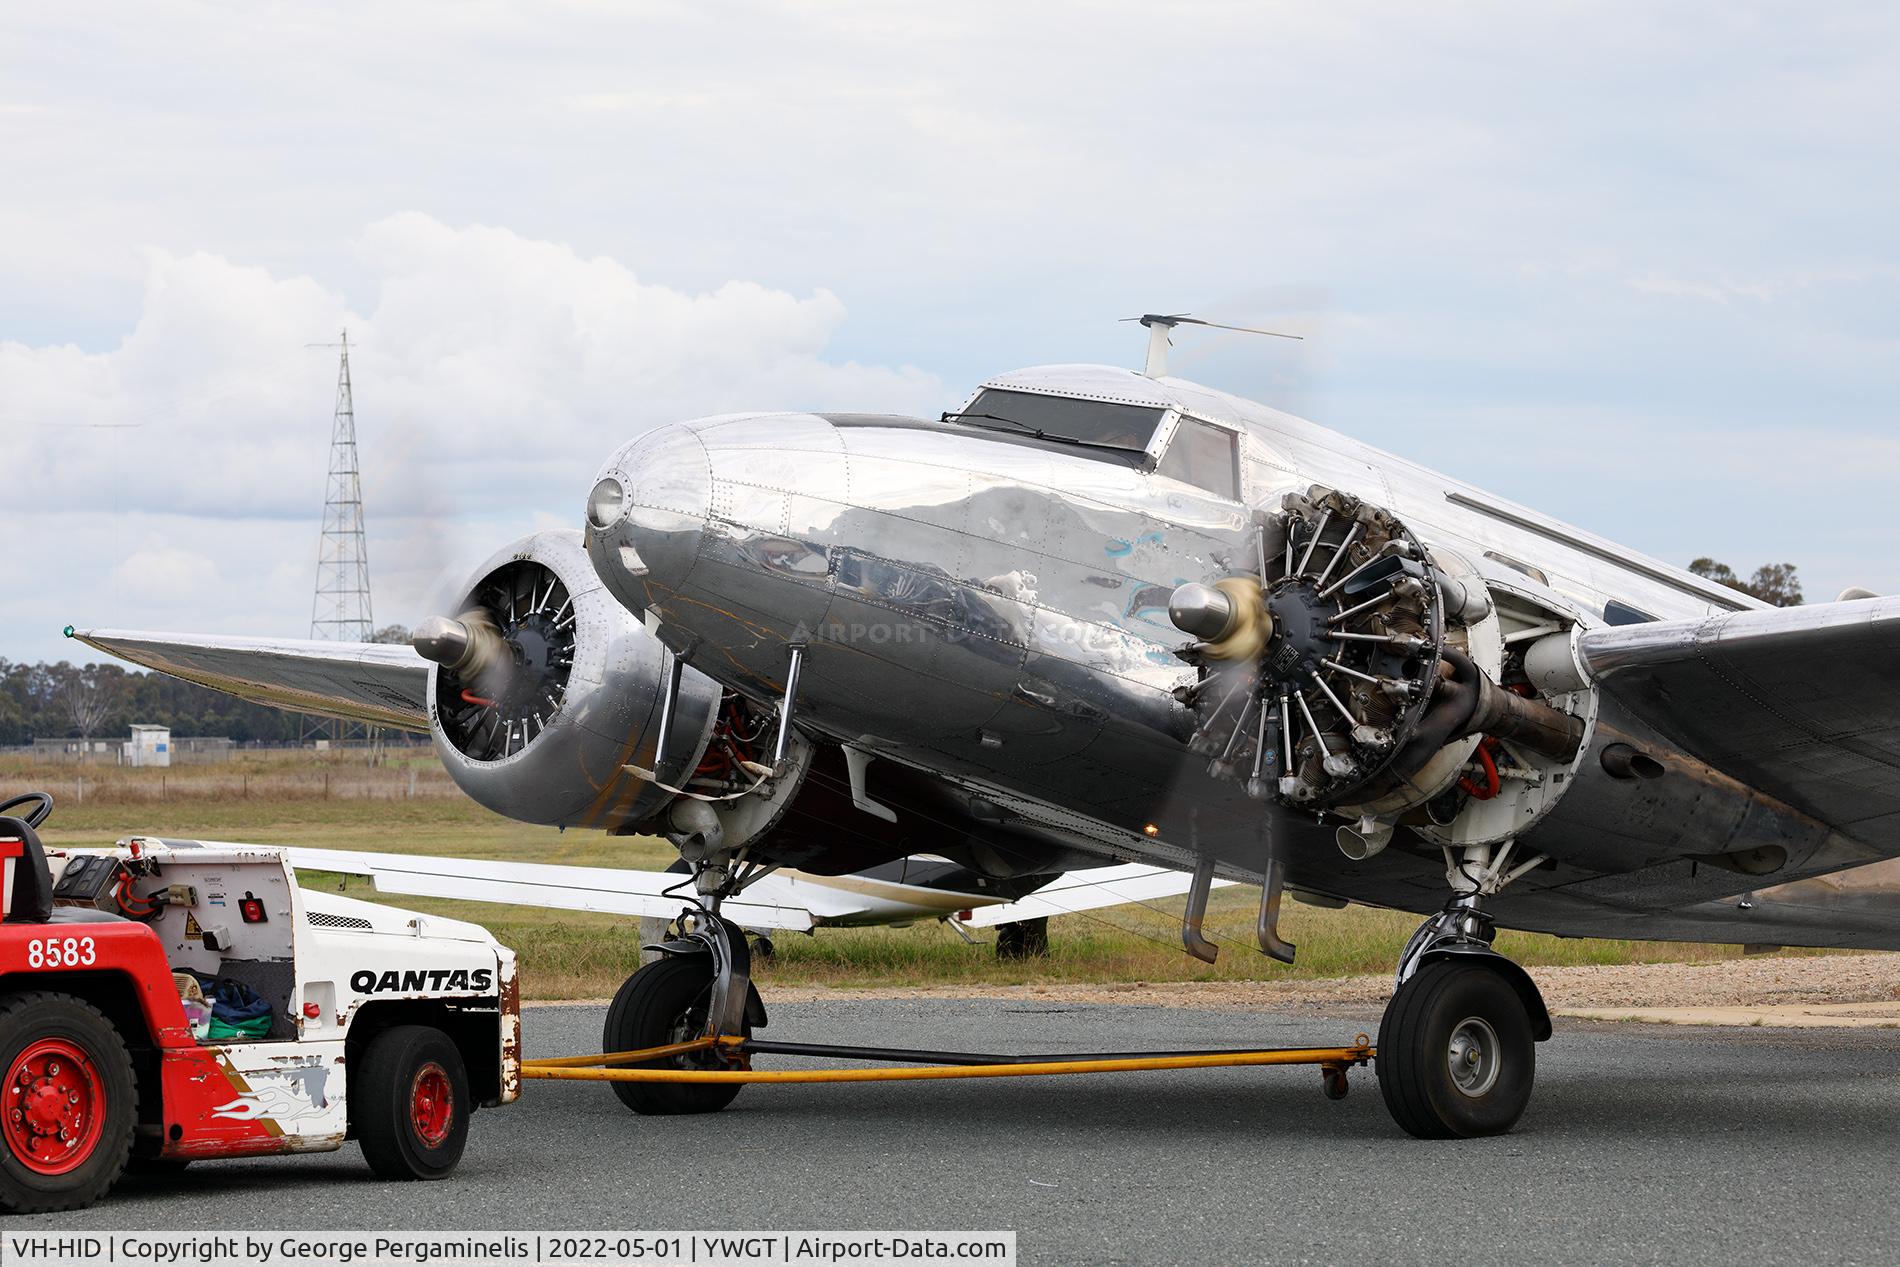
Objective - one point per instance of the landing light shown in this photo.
(606, 503)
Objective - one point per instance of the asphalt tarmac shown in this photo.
(1642, 1144)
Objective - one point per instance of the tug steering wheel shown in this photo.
(34, 817)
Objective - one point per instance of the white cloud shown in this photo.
(1546, 237)
(1719, 292)
(492, 374)
(166, 574)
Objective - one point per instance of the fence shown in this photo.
(190, 750)
(405, 773)
(413, 784)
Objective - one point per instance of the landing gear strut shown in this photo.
(700, 988)
(1457, 1045)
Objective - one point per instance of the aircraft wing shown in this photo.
(797, 902)
(384, 684)
(1088, 890)
(1801, 703)
(606, 890)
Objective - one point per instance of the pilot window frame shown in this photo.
(1172, 428)
(1011, 418)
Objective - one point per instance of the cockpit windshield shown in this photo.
(1092, 422)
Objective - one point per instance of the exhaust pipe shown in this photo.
(1529, 723)
(1363, 839)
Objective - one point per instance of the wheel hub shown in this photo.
(1472, 1056)
(432, 1104)
(55, 1102)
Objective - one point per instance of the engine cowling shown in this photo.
(545, 689)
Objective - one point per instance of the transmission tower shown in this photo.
(340, 611)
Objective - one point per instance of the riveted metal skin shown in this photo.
(1005, 620)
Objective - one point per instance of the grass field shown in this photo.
(338, 801)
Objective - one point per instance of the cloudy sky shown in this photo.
(1633, 264)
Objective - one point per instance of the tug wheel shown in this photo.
(1455, 1054)
(67, 1106)
(409, 1103)
(666, 1002)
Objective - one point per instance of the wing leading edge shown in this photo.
(384, 684)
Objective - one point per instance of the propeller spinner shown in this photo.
(505, 661)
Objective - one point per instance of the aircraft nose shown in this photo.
(647, 513)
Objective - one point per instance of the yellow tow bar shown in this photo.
(611, 1066)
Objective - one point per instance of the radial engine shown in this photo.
(548, 701)
(1354, 673)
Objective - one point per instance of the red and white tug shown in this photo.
(384, 1026)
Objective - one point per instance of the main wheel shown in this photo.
(409, 1103)
(68, 1105)
(1455, 1055)
(666, 1002)
(1024, 939)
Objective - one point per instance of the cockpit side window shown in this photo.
(1203, 456)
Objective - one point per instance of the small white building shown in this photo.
(149, 745)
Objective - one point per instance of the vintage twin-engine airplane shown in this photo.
(827, 641)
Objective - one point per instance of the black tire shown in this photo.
(29, 1023)
(666, 1002)
(1462, 1015)
(1024, 939)
(396, 1090)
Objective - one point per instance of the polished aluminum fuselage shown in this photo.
(993, 608)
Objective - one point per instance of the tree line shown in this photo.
(1774, 583)
(97, 701)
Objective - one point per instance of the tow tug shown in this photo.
(375, 1024)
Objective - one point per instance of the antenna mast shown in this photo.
(340, 611)
(1161, 325)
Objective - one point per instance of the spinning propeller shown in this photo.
(505, 661)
